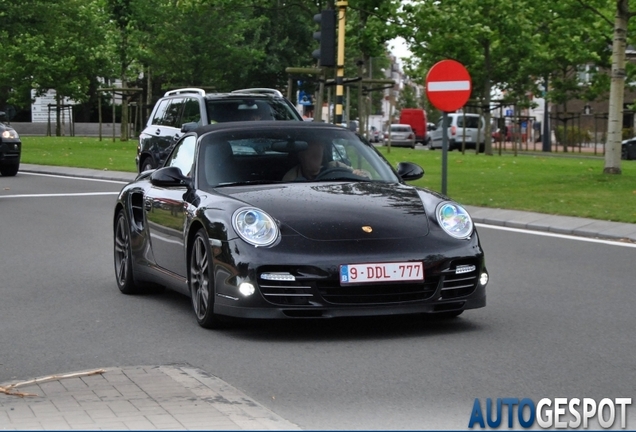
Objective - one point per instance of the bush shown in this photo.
(573, 136)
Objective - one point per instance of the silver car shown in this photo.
(399, 135)
(468, 127)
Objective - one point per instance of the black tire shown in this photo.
(624, 153)
(9, 169)
(147, 164)
(123, 257)
(201, 281)
(429, 145)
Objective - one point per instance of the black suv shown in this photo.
(183, 110)
(10, 148)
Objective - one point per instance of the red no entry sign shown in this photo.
(448, 85)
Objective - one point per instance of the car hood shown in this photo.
(340, 211)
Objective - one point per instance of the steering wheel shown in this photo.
(333, 170)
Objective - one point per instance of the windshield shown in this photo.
(248, 109)
(288, 155)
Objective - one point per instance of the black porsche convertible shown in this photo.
(244, 220)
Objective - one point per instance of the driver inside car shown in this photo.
(311, 164)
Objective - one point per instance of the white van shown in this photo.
(475, 128)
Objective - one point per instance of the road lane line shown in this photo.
(75, 177)
(563, 236)
(59, 195)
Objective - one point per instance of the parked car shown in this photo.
(475, 127)
(221, 227)
(400, 135)
(184, 109)
(10, 149)
(429, 127)
(628, 149)
(376, 135)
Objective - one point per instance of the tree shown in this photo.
(493, 42)
(55, 45)
(617, 89)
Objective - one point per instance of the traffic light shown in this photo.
(327, 38)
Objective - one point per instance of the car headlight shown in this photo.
(255, 226)
(455, 220)
(10, 134)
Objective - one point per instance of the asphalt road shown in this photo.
(559, 323)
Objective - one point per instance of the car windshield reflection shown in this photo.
(262, 156)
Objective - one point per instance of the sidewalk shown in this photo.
(173, 397)
(181, 397)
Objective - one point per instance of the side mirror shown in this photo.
(170, 177)
(409, 171)
(190, 126)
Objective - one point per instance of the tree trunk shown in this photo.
(124, 110)
(487, 90)
(617, 89)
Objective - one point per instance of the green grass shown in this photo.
(569, 186)
(81, 152)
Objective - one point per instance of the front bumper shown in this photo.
(10, 151)
(315, 291)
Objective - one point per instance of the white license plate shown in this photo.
(381, 272)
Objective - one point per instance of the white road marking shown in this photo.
(75, 178)
(497, 227)
(563, 236)
(58, 195)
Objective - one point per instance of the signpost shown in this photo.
(448, 88)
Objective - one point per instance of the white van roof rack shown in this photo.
(185, 90)
(260, 90)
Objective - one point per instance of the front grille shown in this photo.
(378, 293)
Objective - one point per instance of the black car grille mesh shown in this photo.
(378, 293)
(314, 291)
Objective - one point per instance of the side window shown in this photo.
(472, 122)
(173, 113)
(159, 114)
(183, 155)
(191, 112)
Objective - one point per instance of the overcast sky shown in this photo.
(399, 49)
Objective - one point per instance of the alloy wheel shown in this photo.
(122, 246)
(199, 278)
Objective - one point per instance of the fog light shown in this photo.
(247, 289)
(483, 279)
